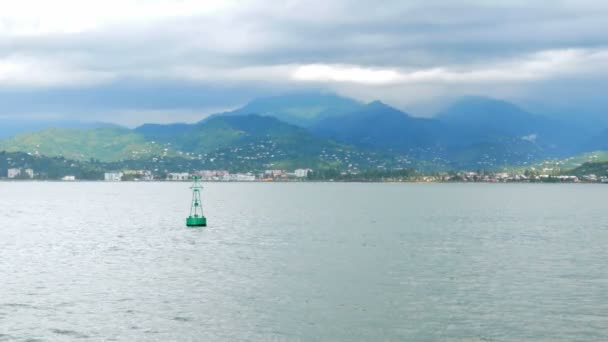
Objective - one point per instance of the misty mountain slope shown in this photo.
(160, 131)
(495, 117)
(596, 143)
(378, 125)
(299, 109)
(472, 133)
(489, 120)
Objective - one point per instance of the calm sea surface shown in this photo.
(304, 262)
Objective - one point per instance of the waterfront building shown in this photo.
(175, 176)
(212, 175)
(113, 176)
(274, 173)
(13, 173)
(240, 177)
(138, 175)
(302, 173)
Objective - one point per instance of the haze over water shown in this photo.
(333, 262)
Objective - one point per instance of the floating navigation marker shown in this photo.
(196, 218)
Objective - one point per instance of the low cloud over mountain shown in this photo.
(132, 62)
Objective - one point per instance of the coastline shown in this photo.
(292, 182)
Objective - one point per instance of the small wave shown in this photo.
(70, 333)
(182, 319)
(4, 337)
(17, 305)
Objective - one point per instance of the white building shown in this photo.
(590, 178)
(29, 173)
(113, 176)
(302, 173)
(137, 175)
(183, 176)
(147, 176)
(13, 173)
(212, 175)
(68, 178)
(502, 176)
(241, 177)
(274, 173)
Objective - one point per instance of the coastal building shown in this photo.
(248, 177)
(147, 176)
(212, 175)
(68, 178)
(138, 175)
(178, 176)
(274, 173)
(302, 173)
(502, 177)
(13, 173)
(113, 176)
(590, 178)
(29, 173)
(565, 179)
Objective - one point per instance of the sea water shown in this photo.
(304, 262)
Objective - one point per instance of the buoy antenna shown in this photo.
(196, 184)
(196, 218)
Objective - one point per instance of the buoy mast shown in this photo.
(196, 218)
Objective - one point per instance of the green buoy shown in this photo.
(196, 218)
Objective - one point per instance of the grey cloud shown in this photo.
(390, 34)
(131, 102)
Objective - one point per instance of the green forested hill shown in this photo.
(599, 169)
(573, 162)
(51, 167)
(251, 142)
(105, 144)
(239, 143)
(330, 132)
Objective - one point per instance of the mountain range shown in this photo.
(329, 131)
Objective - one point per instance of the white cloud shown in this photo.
(346, 73)
(30, 71)
(539, 66)
(545, 65)
(134, 117)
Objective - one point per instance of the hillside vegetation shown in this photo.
(599, 169)
(328, 131)
(105, 144)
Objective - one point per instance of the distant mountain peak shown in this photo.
(301, 97)
(480, 105)
(377, 103)
(301, 109)
(474, 110)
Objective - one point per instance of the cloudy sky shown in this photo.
(133, 61)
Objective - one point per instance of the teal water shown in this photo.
(304, 262)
